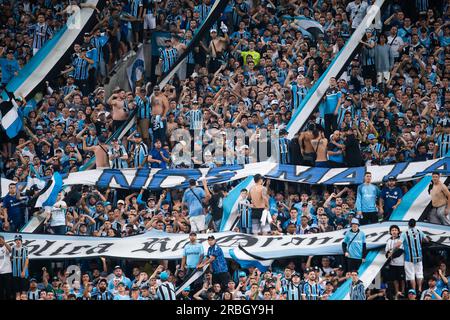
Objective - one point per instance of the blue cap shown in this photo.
(164, 276)
(188, 288)
(242, 274)
(137, 135)
(412, 291)
(355, 221)
(106, 203)
(371, 136)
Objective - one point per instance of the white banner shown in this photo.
(157, 245)
(178, 178)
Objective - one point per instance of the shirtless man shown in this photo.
(259, 202)
(306, 148)
(320, 143)
(160, 107)
(100, 152)
(216, 48)
(119, 108)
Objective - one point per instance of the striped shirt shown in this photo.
(135, 5)
(357, 291)
(443, 142)
(284, 150)
(140, 154)
(68, 89)
(98, 42)
(312, 291)
(102, 295)
(40, 34)
(168, 57)
(118, 163)
(412, 242)
(166, 291)
(293, 291)
(235, 16)
(298, 94)
(245, 214)
(19, 257)
(195, 119)
(33, 295)
(144, 109)
(81, 68)
(204, 10)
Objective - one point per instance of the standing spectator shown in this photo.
(9, 67)
(312, 290)
(412, 240)
(158, 157)
(331, 104)
(19, 260)
(353, 157)
(41, 32)
(140, 155)
(440, 201)
(192, 254)
(244, 212)
(56, 214)
(80, 68)
(384, 60)
(167, 56)
(294, 287)
(357, 291)
(354, 246)
(166, 290)
(396, 260)
(391, 197)
(5, 270)
(396, 43)
(194, 198)
(216, 206)
(260, 202)
(12, 208)
(366, 201)
(217, 262)
(368, 55)
(118, 155)
(143, 114)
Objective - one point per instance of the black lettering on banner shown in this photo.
(324, 240)
(337, 240)
(269, 240)
(295, 241)
(102, 248)
(181, 243)
(152, 245)
(47, 245)
(61, 248)
(380, 236)
(76, 249)
(445, 240)
(235, 240)
(31, 248)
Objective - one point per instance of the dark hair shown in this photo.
(394, 226)
(412, 223)
(257, 177)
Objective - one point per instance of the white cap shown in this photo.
(274, 102)
(355, 221)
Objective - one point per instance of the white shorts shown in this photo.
(413, 270)
(197, 223)
(257, 227)
(149, 21)
(383, 76)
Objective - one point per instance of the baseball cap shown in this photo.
(33, 280)
(120, 202)
(211, 238)
(242, 274)
(117, 267)
(17, 237)
(187, 289)
(274, 102)
(137, 135)
(392, 178)
(355, 221)
(371, 136)
(99, 203)
(412, 291)
(164, 276)
(295, 274)
(39, 128)
(212, 30)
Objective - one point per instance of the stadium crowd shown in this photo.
(251, 73)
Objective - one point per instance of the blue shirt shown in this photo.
(366, 198)
(193, 252)
(219, 264)
(390, 198)
(192, 197)
(412, 244)
(13, 205)
(155, 153)
(355, 248)
(8, 68)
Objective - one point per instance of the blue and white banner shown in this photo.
(178, 178)
(49, 195)
(155, 245)
(246, 260)
(191, 278)
(136, 71)
(42, 63)
(11, 117)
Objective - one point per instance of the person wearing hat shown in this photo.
(9, 67)
(216, 48)
(19, 262)
(391, 197)
(185, 294)
(367, 195)
(166, 290)
(5, 270)
(117, 155)
(217, 262)
(118, 277)
(354, 246)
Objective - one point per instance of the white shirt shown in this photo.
(395, 43)
(357, 12)
(390, 245)
(58, 212)
(5, 261)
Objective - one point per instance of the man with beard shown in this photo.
(102, 293)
